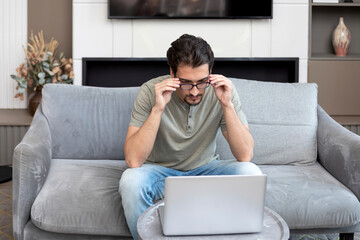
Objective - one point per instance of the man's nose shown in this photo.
(194, 91)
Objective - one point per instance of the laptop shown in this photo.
(206, 205)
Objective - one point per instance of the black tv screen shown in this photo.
(243, 9)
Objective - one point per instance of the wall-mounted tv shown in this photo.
(182, 9)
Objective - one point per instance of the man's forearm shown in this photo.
(239, 137)
(139, 146)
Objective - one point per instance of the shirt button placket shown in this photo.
(190, 120)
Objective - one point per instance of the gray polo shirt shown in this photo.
(187, 134)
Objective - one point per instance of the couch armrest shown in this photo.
(31, 163)
(339, 151)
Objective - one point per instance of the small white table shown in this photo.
(149, 228)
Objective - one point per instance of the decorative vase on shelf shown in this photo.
(34, 102)
(341, 39)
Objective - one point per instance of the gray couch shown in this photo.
(67, 167)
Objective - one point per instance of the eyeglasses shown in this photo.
(189, 86)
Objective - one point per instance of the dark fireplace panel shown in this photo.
(130, 72)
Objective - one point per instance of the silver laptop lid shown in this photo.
(196, 205)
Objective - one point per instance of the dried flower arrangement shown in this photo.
(42, 66)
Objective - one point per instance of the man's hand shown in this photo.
(222, 87)
(163, 91)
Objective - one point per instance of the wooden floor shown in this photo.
(6, 211)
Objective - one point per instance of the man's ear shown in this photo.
(172, 73)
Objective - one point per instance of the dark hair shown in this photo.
(189, 50)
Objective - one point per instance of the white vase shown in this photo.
(341, 39)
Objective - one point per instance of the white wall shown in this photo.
(286, 35)
(94, 35)
(13, 34)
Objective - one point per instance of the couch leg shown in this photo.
(346, 236)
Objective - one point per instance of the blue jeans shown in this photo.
(140, 187)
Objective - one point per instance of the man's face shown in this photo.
(189, 75)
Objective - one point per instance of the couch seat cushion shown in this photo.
(81, 197)
(309, 197)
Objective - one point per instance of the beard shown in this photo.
(191, 102)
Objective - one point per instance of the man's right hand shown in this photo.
(163, 91)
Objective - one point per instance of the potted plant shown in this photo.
(42, 66)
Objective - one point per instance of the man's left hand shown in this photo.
(222, 87)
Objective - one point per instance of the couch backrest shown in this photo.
(282, 119)
(88, 122)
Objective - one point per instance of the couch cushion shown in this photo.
(282, 119)
(31, 232)
(309, 197)
(93, 119)
(81, 197)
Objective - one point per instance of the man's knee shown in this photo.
(143, 184)
(142, 179)
(132, 178)
(247, 168)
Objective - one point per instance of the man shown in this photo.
(174, 124)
